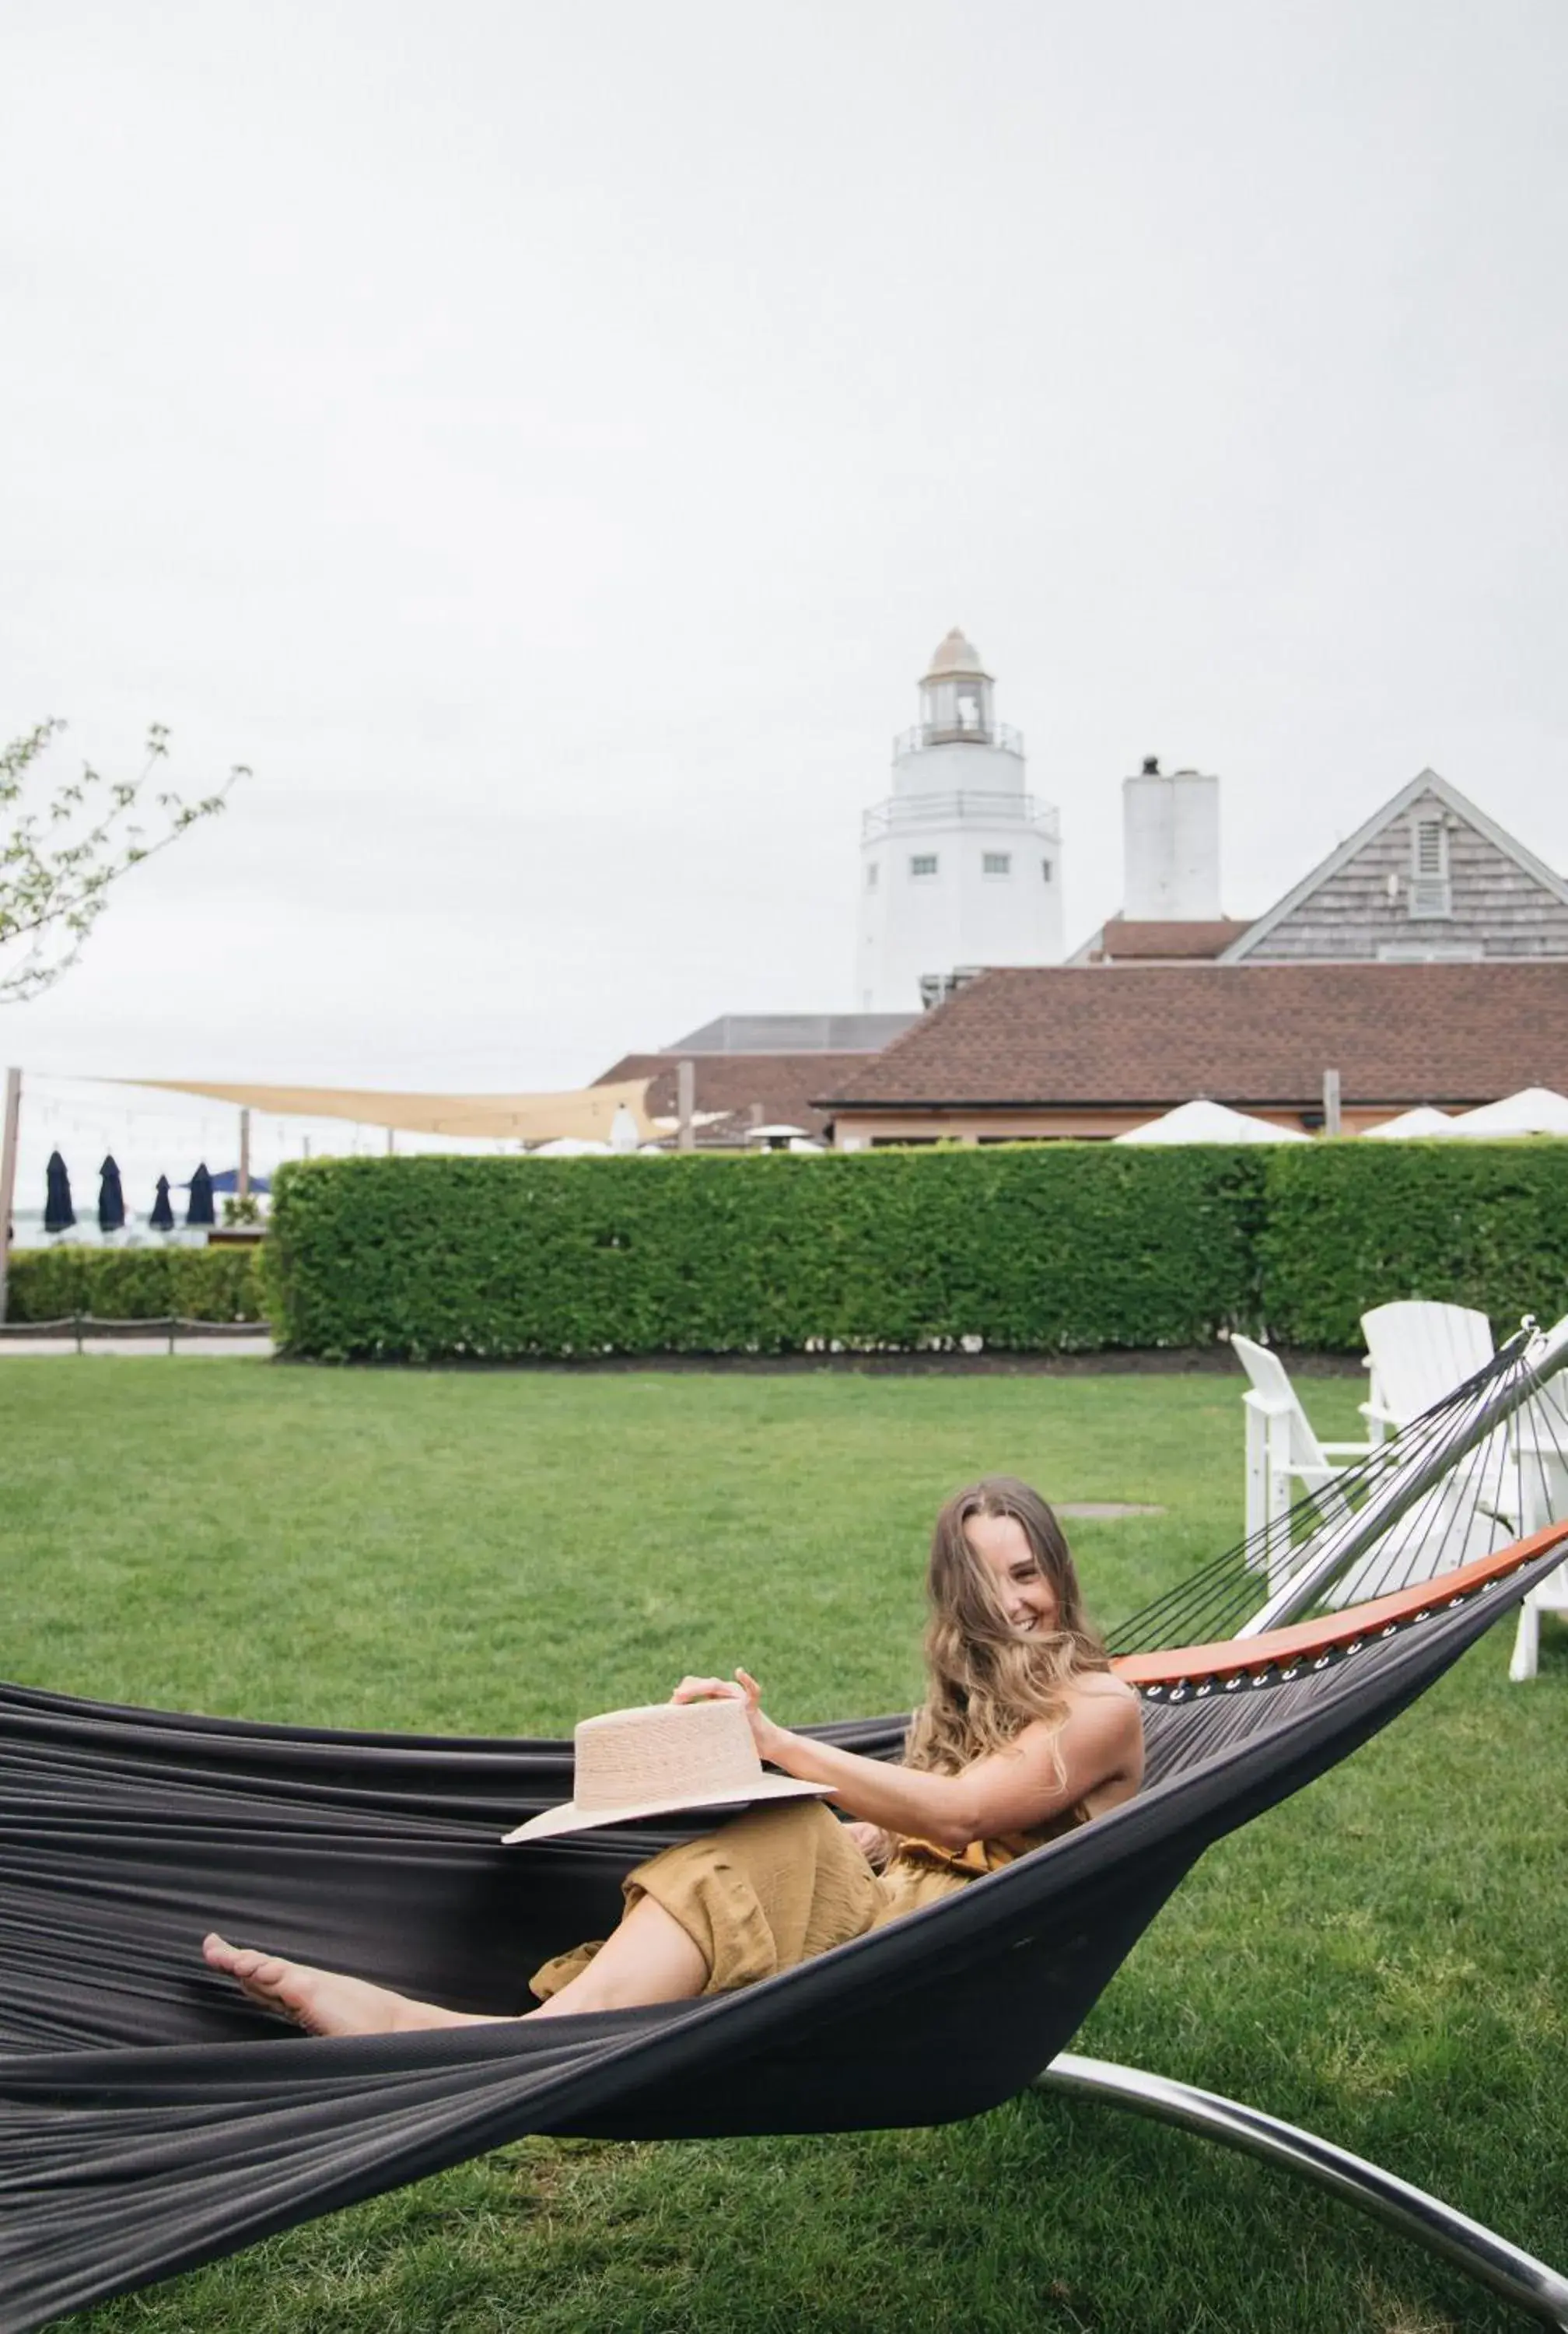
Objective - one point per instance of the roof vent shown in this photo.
(1151, 766)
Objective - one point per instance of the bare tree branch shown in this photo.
(63, 847)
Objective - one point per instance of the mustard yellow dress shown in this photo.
(783, 1883)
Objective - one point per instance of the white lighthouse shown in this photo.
(959, 866)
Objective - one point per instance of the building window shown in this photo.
(996, 863)
(1045, 870)
(872, 872)
(924, 863)
(1431, 892)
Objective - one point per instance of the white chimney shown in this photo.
(1170, 846)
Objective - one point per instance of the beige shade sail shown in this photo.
(588, 1114)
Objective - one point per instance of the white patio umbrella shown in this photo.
(781, 1136)
(1211, 1121)
(1536, 1110)
(1411, 1124)
(624, 1133)
(571, 1146)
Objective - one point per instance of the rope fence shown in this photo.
(169, 1326)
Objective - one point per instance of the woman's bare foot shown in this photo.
(325, 2002)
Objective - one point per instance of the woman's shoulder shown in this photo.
(1108, 1703)
(1101, 1685)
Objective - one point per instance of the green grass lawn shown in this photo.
(1385, 1959)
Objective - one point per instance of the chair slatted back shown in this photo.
(1271, 1382)
(1421, 1351)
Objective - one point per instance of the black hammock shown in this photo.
(151, 2119)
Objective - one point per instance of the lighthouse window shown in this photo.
(1045, 869)
(872, 872)
(924, 863)
(996, 863)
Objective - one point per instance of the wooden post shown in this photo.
(8, 1127)
(391, 1141)
(1330, 1102)
(686, 1106)
(243, 1154)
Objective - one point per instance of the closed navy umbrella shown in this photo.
(59, 1215)
(162, 1216)
(111, 1197)
(199, 1209)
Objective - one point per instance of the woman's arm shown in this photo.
(1009, 1790)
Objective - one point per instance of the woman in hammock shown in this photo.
(1023, 1735)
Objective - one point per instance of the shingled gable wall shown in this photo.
(1088, 1051)
(1503, 904)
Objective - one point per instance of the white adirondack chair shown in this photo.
(1282, 1445)
(1543, 1444)
(1514, 1482)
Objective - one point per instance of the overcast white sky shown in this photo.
(547, 442)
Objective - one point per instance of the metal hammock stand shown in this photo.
(1390, 1523)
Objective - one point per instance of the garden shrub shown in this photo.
(1066, 1248)
(1349, 1225)
(135, 1284)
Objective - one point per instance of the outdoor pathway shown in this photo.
(258, 1348)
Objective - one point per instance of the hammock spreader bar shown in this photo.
(151, 2119)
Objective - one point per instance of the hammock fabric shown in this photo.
(151, 2119)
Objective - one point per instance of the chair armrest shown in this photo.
(1376, 1415)
(1349, 1449)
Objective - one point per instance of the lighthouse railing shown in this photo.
(901, 811)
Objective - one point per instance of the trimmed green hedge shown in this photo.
(136, 1284)
(1351, 1225)
(1064, 1247)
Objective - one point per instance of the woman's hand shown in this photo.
(874, 1844)
(742, 1688)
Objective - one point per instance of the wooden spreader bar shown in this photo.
(1334, 1632)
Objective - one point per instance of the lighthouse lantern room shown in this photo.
(955, 695)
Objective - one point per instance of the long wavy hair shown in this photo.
(986, 1680)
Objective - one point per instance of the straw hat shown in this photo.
(657, 1761)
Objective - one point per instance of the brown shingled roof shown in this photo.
(1120, 939)
(782, 1084)
(1246, 1034)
